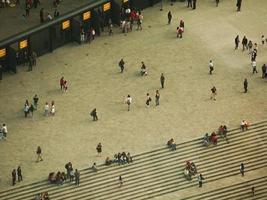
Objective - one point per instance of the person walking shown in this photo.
(46, 109)
(14, 176)
(128, 101)
(245, 43)
(213, 93)
(39, 154)
(200, 180)
(94, 114)
(169, 17)
(99, 148)
(242, 169)
(245, 85)
(263, 69)
(148, 99)
(121, 65)
(120, 181)
(19, 174)
(162, 80)
(238, 5)
(211, 66)
(254, 66)
(77, 177)
(157, 97)
(237, 42)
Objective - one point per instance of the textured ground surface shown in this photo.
(185, 112)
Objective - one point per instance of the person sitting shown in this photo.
(187, 174)
(191, 167)
(123, 156)
(143, 70)
(52, 177)
(94, 168)
(171, 144)
(244, 125)
(129, 158)
(213, 138)
(222, 131)
(179, 31)
(119, 158)
(206, 140)
(108, 161)
(116, 158)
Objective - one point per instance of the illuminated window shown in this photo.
(23, 44)
(2, 53)
(106, 6)
(86, 15)
(66, 24)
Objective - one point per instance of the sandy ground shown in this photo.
(185, 110)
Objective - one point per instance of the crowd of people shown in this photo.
(120, 159)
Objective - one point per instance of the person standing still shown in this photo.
(148, 99)
(237, 42)
(35, 101)
(211, 66)
(157, 97)
(14, 176)
(162, 80)
(253, 191)
(245, 85)
(200, 180)
(169, 17)
(120, 181)
(39, 154)
(61, 83)
(19, 174)
(217, 2)
(99, 148)
(238, 5)
(263, 68)
(77, 177)
(94, 114)
(194, 4)
(242, 169)
(189, 3)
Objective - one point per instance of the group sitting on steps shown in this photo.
(190, 170)
(120, 158)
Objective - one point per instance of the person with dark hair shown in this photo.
(99, 148)
(189, 3)
(238, 5)
(19, 174)
(157, 97)
(94, 114)
(263, 68)
(148, 99)
(39, 154)
(245, 85)
(77, 177)
(217, 2)
(169, 17)
(162, 80)
(14, 176)
(128, 101)
(194, 4)
(236, 42)
(200, 180)
(121, 65)
(242, 169)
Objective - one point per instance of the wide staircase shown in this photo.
(160, 171)
(241, 191)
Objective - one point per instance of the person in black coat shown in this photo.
(189, 3)
(238, 5)
(194, 4)
(14, 176)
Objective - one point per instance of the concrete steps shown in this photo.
(159, 171)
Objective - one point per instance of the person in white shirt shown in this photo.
(53, 108)
(4, 130)
(254, 66)
(211, 66)
(46, 109)
(128, 100)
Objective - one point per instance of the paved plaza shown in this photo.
(185, 112)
